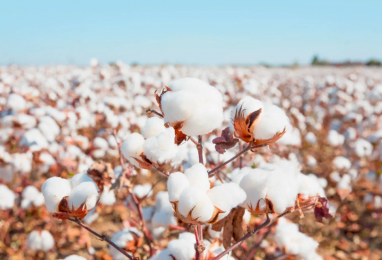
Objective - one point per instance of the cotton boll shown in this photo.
(226, 196)
(7, 198)
(341, 162)
(100, 143)
(335, 139)
(91, 216)
(189, 198)
(255, 186)
(107, 196)
(204, 209)
(195, 103)
(54, 189)
(153, 127)
(311, 161)
(311, 138)
(40, 241)
(197, 176)
(121, 239)
(132, 147)
(79, 178)
(238, 174)
(271, 121)
(34, 139)
(161, 148)
(181, 249)
(142, 190)
(163, 219)
(309, 186)
(16, 102)
(86, 193)
(363, 148)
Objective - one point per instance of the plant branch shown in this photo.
(103, 238)
(149, 111)
(200, 149)
(249, 147)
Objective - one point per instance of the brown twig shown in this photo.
(249, 147)
(103, 238)
(149, 111)
(267, 223)
(200, 149)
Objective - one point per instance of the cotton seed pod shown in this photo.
(258, 123)
(193, 200)
(132, 150)
(191, 106)
(54, 190)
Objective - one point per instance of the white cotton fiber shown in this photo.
(79, 178)
(74, 257)
(204, 209)
(198, 176)
(40, 241)
(226, 196)
(255, 186)
(54, 189)
(142, 190)
(189, 198)
(107, 196)
(120, 239)
(153, 127)
(132, 147)
(363, 148)
(195, 103)
(176, 183)
(86, 193)
(16, 102)
(335, 139)
(161, 148)
(272, 120)
(7, 198)
(341, 162)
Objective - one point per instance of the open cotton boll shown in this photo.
(181, 249)
(204, 209)
(142, 190)
(226, 196)
(237, 174)
(16, 102)
(153, 127)
(79, 178)
(197, 176)
(176, 183)
(163, 219)
(161, 148)
(290, 239)
(195, 103)
(121, 239)
(132, 147)
(54, 189)
(100, 143)
(311, 138)
(309, 186)
(7, 198)
(255, 186)
(335, 139)
(189, 198)
(31, 196)
(85, 193)
(363, 148)
(40, 241)
(311, 161)
(272, 120)
(341, 162)
(107, 196)
(34, 139)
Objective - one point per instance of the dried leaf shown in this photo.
(180, 137)
(101, 173)
(241, 127)
(225, 141)
(237, 223)
(321, 210)
(144, 163)
(159, 94)
(228, 229)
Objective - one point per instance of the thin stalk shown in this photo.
(103, 238)
(249, 147)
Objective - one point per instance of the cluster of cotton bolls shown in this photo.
(323, 124)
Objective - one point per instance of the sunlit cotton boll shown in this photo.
(7, 198)
(176, 183)
(54, 189)
(121, 239)
(195, 103)
(40, 241)
(107, 196)
(74, 257)
(16, 102)
(85, 194)
(153, 127)
(31, 196)
(161, 148)
(142, 190)
(132, 147)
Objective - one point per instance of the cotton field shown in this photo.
(181, 162)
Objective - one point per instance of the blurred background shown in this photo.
(190, 32)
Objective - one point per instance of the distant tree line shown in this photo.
(317, 62)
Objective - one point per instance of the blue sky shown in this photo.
(190, 32)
